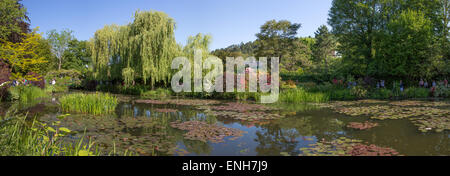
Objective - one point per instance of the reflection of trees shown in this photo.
(197, 147)
(274, 140)
(280, 136)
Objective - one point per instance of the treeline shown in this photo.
(378, 39)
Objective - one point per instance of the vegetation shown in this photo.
(159, 93)
(134, 44)
(20, 138)
(96, 104)
(26, 94)
(300, 95)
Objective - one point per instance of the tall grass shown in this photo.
(300, 95)
(26, 94)
(96, 104)
(19, 138)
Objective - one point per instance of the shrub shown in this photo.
(441, 91)
(26, 94)
(381, 94)
(415, 92)
(341, 94)
(98, 103)
(358, 92)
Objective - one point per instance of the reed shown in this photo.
(96, 104)
(20, 138)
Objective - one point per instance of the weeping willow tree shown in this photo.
(142, 50)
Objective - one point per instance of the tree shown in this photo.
(77, 56)
(22, 57)
(59, 42)
(366, 31)
(278, 39)
(142, 50)
(13, 20)
(323, 47)
(406, 51)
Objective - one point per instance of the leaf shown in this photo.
(51, 129)
(64, 130)
(84, 153)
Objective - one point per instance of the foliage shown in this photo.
(77, 56)
(278, 39)
(14, 21)
(60, 43)
(385, 38)
(323, 48)
(39, 139)
(159, 93)
(415, 92)
(26, 94)
(300, 95)
(96, 104)
(147, 46)
(381, 93)
(22, 56)
(358, 92)
(4, 79)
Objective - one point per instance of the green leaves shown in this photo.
(143, 49)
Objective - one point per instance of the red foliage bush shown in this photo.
(4, 77)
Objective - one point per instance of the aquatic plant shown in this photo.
(18, 138)
(346, 147)
(98, 103)
(242, 111)
(362, 126)
(202, 131)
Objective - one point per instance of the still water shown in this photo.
(145, 129)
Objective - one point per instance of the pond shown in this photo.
(224, 128)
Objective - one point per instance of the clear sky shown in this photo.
(228, 21)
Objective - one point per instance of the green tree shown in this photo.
(406, 51)
(59, 42)
(142, 50)
(13, 20)
(77, 56)
(323, 48)
(278, 39)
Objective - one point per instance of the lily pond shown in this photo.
(185, 127)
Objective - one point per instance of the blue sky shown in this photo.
(228, 21)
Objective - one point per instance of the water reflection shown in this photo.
(141, 128)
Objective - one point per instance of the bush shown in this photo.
(358, 92)
(300, 95)
(26, 94)
(341, 94)
(381, 94)
(98, 103)
(441, 91)
(415, 92)
(157, 94)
